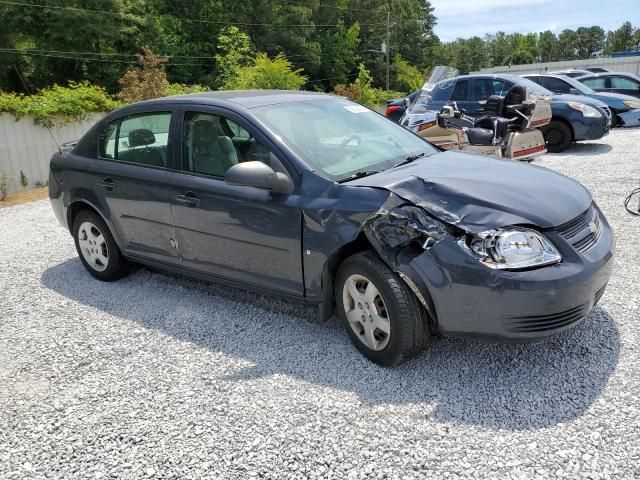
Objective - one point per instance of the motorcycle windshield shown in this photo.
(440, 80)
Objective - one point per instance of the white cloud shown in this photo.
(447, 8)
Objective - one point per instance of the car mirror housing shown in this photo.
(259, 175)
(574, 91)
(406, 102)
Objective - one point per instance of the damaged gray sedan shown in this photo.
(315, 198)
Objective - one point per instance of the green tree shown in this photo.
(567, 41)
(407, 77)
(548, 46)
(233, 51)
(621, 39)
(267, 73)
(589, 41)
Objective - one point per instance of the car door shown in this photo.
(462, 96)
(483, 88)
(624, 85)
(131, 177)
(242, 234)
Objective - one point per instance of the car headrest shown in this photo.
(494, 105)
(140, 137)
(204, 132)
(516, 95)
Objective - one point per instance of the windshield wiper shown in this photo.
(409, 159)
(360, 174)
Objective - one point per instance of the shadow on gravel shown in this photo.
(492, 385)
(585, 149)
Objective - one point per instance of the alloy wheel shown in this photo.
(93, 246)
(366, 312)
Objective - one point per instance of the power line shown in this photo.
(324, 5)
(191, 20)
(104, 60)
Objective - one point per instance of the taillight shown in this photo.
(391, 109)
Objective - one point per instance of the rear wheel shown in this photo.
(557, 136)
(97, 248)
(382, 316)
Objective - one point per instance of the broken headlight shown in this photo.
(511, 249)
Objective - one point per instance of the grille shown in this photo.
(542, 323)
(584, 231)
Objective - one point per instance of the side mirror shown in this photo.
(406, 102)
(574, 91)
(259, 175)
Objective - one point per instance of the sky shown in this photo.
(466, 18)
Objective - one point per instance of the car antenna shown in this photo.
(26, 89)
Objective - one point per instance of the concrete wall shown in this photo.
(27, 147)
(621, 64)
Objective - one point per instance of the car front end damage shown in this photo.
(477, 289)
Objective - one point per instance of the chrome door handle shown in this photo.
(188, 198)
(107, 183)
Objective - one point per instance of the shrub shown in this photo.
(4, 185)
(71, 103)
(24, 181)
(148, 81)
(266, 73)
(182, 89)
(362, 92)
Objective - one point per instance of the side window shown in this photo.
(144, 138)
(536, 79)
(596, 82)
(461, 91)
(107, 141)
(624, 83)
(485, 87)
(556, 85)
(211, 144)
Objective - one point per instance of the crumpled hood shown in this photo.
(477, 193)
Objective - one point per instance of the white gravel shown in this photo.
(163, 377)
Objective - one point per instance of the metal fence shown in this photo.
(26, 147)
(618, 64)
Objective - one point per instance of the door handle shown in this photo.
(188, 198)
(107, 183)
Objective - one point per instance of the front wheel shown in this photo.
(557, 136)
(97, 248)
(382, 316)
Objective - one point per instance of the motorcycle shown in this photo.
(509, 127)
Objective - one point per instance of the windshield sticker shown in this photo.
(356, 108)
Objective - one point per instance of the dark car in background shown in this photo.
(572, 73)
(613, 82)
(597, 69)
(575, 118)
(397, 107)
(365, 218)
(625, 108)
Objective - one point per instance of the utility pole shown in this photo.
(388, 45)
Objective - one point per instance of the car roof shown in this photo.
(488, 75)
(606, 74)
(245, 98)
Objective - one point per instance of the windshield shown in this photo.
(438, 86)
(339, 138)
(581, 87)
(531, 86)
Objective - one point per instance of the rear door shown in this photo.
(483, 88)
(131, 177)
(624, 85)
(242, 234)
(462, 96)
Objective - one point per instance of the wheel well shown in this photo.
(74, 209)
(328, 305)
(567, 123)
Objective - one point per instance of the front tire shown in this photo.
(97, 248)
(557, 136)
(382, 316)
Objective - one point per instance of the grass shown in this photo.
(25, 197)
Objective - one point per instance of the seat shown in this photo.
(211, 152)
(498, 119)
(480, 136)
(142, 137)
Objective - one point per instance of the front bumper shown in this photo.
(591, 128)
(630, 118)
(470, 299)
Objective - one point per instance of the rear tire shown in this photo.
(97, 248)
(557, 136)
(382, 316)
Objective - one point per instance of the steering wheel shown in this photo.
(346, 141)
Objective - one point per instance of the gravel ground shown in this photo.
(163, 377)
